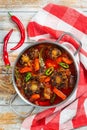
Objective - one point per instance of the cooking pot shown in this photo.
(72, 54)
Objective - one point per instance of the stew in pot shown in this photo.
(45, 74)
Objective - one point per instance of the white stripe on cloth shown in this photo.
(66, 126)
(65, 115)
(69, 112)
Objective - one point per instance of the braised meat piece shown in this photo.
(60, 78)
(66, 71)
(33, 53)
(54, 53)
(32, 87)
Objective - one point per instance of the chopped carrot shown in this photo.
(25, 69)
(47, 79)
(59, 93)
(67, 60)
(37, 65)
(42, 78)
(34, 97)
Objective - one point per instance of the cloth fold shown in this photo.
(49, 23)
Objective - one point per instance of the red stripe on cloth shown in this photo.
(37, 125)
(35, 29)
(39, 119)
(56, 10)
(69, 15)
(54, 123)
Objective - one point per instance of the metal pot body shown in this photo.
(71, 55)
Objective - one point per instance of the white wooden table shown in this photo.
(25, 10)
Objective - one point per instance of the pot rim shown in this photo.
(44, 42)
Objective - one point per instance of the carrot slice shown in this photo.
(34, 97)
(25, 69)
(47, 79)
(67, 60)
(37, 65)
(59, 93)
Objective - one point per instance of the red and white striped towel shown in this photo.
(49, 23)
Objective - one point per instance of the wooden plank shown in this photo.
(37, 3)
(40, 3)
(74, 3)
(21, 9)
(18, 3)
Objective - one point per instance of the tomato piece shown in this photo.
(58, 60)
(51, 63)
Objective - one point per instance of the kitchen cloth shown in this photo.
(49, 23)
